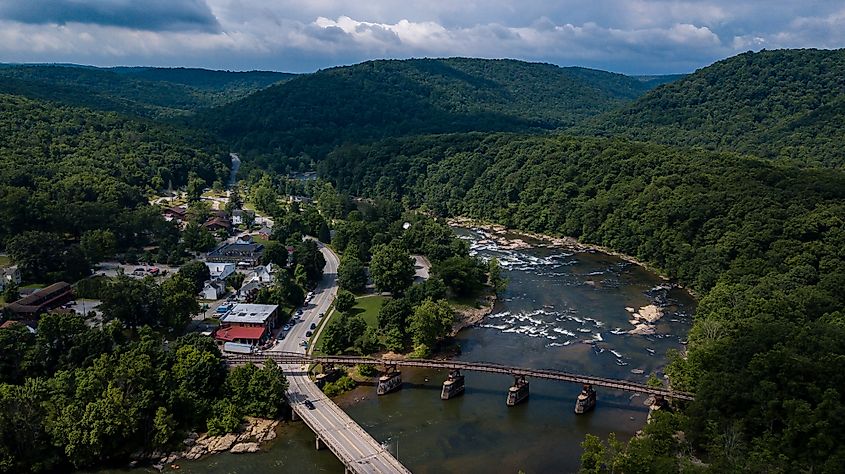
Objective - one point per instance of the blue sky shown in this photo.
(628, 36)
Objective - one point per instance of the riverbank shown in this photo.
(499, 233)
(255, 433)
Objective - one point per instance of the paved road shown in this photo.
(347, 440)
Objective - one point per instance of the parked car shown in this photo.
(308, 404)
(313, 325)
(308, 334)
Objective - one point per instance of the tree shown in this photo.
(11, 292)
(15, 343)
(342, 333)
(259, 392)
(463, 275)
(36, 253)
(179, 302)
(430, 322)
(275, 253)
(351, 274)
(235, 201)
(197, 273)
(495, 278)
(307, 254)
(195, 187)
(236, 280)
(392, 268)
(344, 301)
(197, 238)
(164, 428)
(198, 375)
(98, 244)
(264, 196)
(133, 302)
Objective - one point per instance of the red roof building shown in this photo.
(240, 334)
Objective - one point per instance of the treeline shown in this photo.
(67, 171)
(72, 396)
(761, 243)
(786, 105)
(148, 92)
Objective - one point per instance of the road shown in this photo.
(340, 433)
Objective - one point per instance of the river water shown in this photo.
(563, 310)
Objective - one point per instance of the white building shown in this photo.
(240, 216)
(220, 270)
(251, 315)
(213, 290)
(9, 276)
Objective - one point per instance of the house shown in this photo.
(213, 290)
(264, 274)
(11, 324)
(176, 213)
(216, 223)
(241, 335)
(41, 301)
(220, 270)
(244, 239)
(9, 276)
(265, 232)
(239, 254)
(251, 315)
(242, 216)
(249, 290)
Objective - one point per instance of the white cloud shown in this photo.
(637, 36)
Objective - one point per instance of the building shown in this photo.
(263, 275)
(265, 232)
(11, 324)
(41, 301)
(244, 239)
(239, 254)
(216, 223)
(213, 290)
(220, 270)
(241, 335)
(242, 216)
(251, 315)
(9, 276)
(176, 213)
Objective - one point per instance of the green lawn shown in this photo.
(367, 307)
(260, 239)
(5, 261)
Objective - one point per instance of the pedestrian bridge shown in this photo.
(548, 374)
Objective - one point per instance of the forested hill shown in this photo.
(67, 170)
(762, 243)
(149, 92)
(316, 112)
(787, 104)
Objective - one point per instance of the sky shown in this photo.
(627, 36)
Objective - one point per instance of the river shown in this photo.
(562, 310)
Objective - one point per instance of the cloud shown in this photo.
(631, 36)
(152, 15)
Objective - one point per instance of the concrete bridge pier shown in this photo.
(453, 385)
(518, 392)
(319, 443)
(390, 381)
(294, 416)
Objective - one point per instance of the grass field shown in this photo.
(367, 307)
(5, 261)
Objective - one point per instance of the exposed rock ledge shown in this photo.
(254, 432)
(467, 317)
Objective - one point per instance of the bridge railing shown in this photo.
(549, 374)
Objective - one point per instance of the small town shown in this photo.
(245, 237)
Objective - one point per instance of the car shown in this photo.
(308, 404)
(308, 334)
(313, 325)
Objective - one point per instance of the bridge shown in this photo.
(548, 374)
(359, 452)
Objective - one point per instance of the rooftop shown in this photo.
(249, 313)
(237, 249)
(232, 333)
